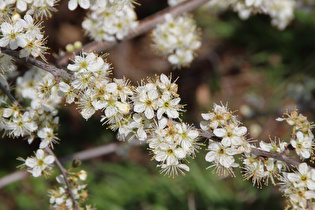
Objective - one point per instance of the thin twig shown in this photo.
(8, 94)
(51, 69)
(144, 26)
(64, 173)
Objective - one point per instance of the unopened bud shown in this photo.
(15, 17)
(123, 107)
(76, 163)
(69, 48)
(82, 175)
(77, 45)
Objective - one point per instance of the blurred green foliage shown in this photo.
(121, 183)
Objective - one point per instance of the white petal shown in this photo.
(305, 153)
(227, 161)
(206, 116)
(241, 131)
(164, 79)
(184, 167)
(40, 154)
(43, 144)
(31, 162)
(21, 41)
(175, 101)
(21, 5)
(173, 59)
(171, 160)
(149, 113)
(160, 112)
(142, 135)
(73, 4)
(279, 119)
(111, 87)
(309, 194)
(219, 132)
(300, 135)
(172, 113)
(226, 142)
(214, 146)
(310, 184)
(236, 140)
(210, 156)
(49, 159)
(161, 156)
(64, 87)
(293, 177)
(110, 111)
(85, 4)
(36, 172)
(303, 168)
(139, 107)
(180, 153)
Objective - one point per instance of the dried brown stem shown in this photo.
(51, 69)
(64, 173)
(144, 26)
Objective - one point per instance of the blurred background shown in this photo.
(253, 67)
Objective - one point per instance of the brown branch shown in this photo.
(51, 69)
(258, 152)
(92, 153)
(279, 156)
(64, 173)
(144, 26)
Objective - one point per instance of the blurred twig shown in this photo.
(82, 155)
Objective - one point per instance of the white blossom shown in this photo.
(39, 163)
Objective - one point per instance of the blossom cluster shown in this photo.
(261, 169)
(228, 140)
(281, 12)
(61, 199)
(23, 33)
(150, 102)
(149, 112)
(39, 164)
(93, 89)
(37, 121)
(110, 20)
(36, 8)
(177, 38)
(299, 187)
(302, 137)
(172, 143)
